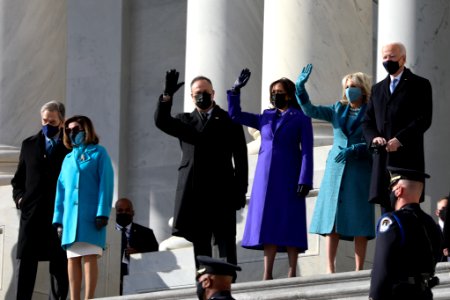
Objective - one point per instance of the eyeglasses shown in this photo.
(74, 130)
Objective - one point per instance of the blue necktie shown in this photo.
(393, 84)
(51, 147)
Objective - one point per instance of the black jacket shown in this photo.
(406, 115)
(408, 244)
(35, 182)
(213, 173)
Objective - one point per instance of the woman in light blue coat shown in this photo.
(83, 203)
(342, 209)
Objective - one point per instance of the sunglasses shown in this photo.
(74, 130)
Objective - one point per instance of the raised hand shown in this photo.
(241, 81)
(172, 84)
(303, 78)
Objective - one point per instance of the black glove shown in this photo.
(241, 200)
(241, 81)
(59, 229)
(303, 190)
(18, 202)
(172, 85)
(101, 222)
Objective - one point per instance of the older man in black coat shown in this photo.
(213, 173)
(34, 187)
(397, 116)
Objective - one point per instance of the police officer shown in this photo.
(214, 278)
(408, 243)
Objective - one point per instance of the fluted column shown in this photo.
(422, 26)
(223, 37)
(336, 37)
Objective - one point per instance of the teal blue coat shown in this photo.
(342, 202)
(84, 191)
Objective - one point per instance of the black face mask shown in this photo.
(124, 219)
(200, 290)
(203, 100)
(391, 66)
(278, 100)
(443, 213)
(393, 199)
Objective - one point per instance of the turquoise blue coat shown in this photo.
(84, 191)
(342, 202)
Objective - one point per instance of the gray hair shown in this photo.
(55, 106)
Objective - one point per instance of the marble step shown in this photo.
(345, 285)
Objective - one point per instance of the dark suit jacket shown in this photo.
(406, 115)
(35, 182)
(213, 173)
(142, 239)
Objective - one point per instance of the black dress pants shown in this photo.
(59, 281)
(225, 244)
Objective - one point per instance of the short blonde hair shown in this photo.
(361, 80)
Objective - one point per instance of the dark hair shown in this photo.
(289, 87)
(88, 127)
(200, 78)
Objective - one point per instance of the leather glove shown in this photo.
(241, 81)
(344, 154)
(172, 85)
(241, 200)
(300, 91)
(59, 229)
(303, 190)
(18, 202)
(101, 222)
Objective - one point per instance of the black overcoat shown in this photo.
(35, 182)
(142, 239)
(213, 173)
(406, 115)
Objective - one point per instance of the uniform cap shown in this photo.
(408, 174)
(208, 265)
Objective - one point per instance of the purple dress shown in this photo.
(276, 215)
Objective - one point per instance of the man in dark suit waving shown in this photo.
(397, 116)
(34, 188)
(135, 238)
(213, 174)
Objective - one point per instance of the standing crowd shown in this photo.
(64, 185)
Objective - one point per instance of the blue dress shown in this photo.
(342, 204)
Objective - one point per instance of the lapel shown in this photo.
(344, 119)
(283, 119)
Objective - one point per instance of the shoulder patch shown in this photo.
(385, 223)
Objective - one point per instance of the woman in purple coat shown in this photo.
(276, 219)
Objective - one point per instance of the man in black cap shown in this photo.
(214, 278)
(408, 243)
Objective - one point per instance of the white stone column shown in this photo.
(97, 86)
(32, 72)
(336, 37)
(223, 37)
(421, 26)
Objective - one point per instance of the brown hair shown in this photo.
(289, 87)
(86, 124)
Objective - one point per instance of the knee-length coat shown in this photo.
(342, 202)
(276, 214)
(84, 191)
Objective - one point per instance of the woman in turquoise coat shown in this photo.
(83, 203)
(342, 209)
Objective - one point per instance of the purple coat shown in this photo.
(276, 214)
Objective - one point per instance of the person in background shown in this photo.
(276, 219)
(34, 185)
(342, 210)
(135, 238)
(408, 243)
(441, 213)
(213, 173)
(214, 278)
(397, 116)
(83, 203)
